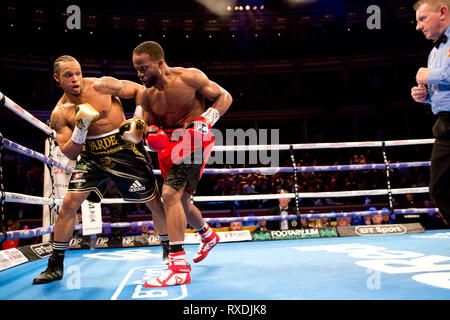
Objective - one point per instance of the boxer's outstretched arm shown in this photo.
(121, 88)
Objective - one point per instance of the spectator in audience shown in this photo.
(324, 223)
(357, 221)
(262, 226)
(315, 223)
(304, 223)
(283, 209)
(236, 226)
(145, 230)
(249, 186)
(343, 221)
(367, 220)
(377, 219)
(388, 218)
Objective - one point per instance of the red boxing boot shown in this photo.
(209, 241)
(178, 273)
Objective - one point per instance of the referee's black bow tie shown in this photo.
(442, 39)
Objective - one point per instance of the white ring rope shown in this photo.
(343, 167)
(26, 199)
(333, 194)
(325, 145)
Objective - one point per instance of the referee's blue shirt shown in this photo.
(439, 78)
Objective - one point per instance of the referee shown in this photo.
(433, 88)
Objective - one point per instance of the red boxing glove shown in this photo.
(156, 138)
(198, 129)
(196, 134)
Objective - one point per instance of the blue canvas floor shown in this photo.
(392, 267)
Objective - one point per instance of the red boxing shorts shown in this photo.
(182, 163)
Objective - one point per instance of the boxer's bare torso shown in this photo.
(177, 102)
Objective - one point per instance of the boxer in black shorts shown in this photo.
(90, 127)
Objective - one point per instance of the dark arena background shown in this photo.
(317, 71)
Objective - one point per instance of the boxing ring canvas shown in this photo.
(382, 267)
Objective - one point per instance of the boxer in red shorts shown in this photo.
(173, 103)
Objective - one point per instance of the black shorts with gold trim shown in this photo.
(108, 158)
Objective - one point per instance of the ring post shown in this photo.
(388, 178)
(3, 228)
(294, 166)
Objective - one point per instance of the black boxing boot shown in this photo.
(55, 267)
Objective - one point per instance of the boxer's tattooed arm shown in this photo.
(108, 85)
(115, 87)
(58, 118)
(54, 119)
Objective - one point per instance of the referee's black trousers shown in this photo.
(440, 165)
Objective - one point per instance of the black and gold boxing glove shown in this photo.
(132, 130)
